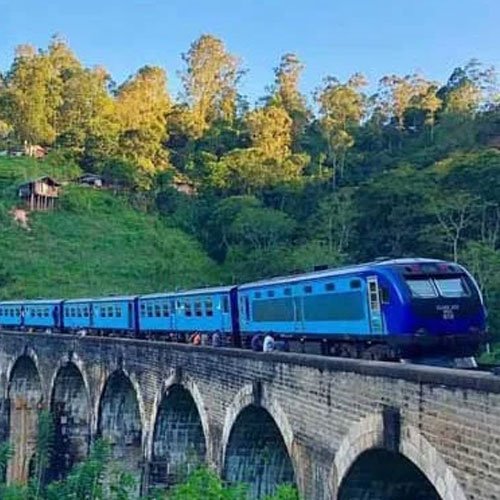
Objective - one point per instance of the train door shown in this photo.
(376, 319)
(224, 308)
(298, 309)
(130, 315)
(91, 315)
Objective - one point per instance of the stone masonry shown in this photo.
(337, 428)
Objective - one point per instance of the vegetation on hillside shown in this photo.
(412, 169)
(96, 243)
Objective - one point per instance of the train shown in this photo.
(388, 309)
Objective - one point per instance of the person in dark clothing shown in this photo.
(216, 339)
(257, 343)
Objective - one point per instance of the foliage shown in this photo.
(291, 182)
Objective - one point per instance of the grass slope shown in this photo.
(94, 244)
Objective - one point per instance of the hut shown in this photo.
(40, 194)
(92, 180)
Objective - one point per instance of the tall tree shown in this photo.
(142, 104)
(26, 97)
(210, 83)
(286, 91)
(341, 107)
(271, 131)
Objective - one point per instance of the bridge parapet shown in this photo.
(327, 424)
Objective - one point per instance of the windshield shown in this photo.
(422, 288)
(451, 287)
(425, 288)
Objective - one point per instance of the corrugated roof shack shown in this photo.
(91, 180)
(40, 194)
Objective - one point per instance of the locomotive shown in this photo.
(383, 310)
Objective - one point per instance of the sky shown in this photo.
(376, 37)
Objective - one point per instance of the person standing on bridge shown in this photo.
(269, 344)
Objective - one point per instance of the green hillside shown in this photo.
(95, 243)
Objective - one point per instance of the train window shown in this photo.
(165, 310)
(270, 293)
(79, 312)
(32, 312)
(150, 310)
(421, 289)
(287, 291)
(38, 312)
(143, 310)
(247, 306)
(355, 284)
(258, 295)
(451, 287)
(12, 312)
(1, 312)
(308, 289)
(85, 312)
(118, 311)
(110, 312)
(197, 309)
(330, 287)
(225, 304)
(18, 312)
(157, 310)
(187, 308)
(209, 307)
(172, 306)
(102, 312)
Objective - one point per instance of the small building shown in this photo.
(40, 194)
(92, 180)
(183, 184)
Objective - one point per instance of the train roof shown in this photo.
(339, 271)
(184, 293)
(30, 302)
(110, 298)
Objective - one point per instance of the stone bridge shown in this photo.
(338, 429)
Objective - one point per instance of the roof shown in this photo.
(183, 293)
(31, 302)
(47, 179)
(110, 298)
(334, 272)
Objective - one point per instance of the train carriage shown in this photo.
(77, 314)
(115, 314)
(205, 310)
(44, 314)
(11, 314)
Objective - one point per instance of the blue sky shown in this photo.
(375, 37)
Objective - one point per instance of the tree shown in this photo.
(468, 87)
(286, 93)
(142, 104)
(245, 171)
(455, 211)
(210, 83)
(261, 228)
(341, 108)
(335, 221)
(26, 97)
(271, 131)
(430, 103)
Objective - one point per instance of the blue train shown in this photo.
(387, 309)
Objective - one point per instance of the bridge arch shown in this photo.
(414, 468)
(71, 408)
(120, 420)
(179, 437)
(26, 398)
(257, 442)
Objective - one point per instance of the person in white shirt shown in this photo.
(268, 343)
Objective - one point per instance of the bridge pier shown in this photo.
(326, 425)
